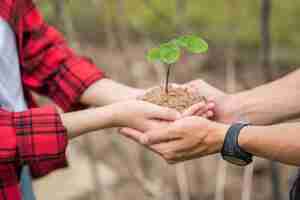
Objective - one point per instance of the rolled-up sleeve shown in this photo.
(50, 67)
(35, 137)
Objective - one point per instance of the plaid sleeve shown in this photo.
(50, 66)
(35, 137)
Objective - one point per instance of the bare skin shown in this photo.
(106, 91)
(264, 105)
(194, 137)
(135, 114)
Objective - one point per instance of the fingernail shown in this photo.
(211, 105)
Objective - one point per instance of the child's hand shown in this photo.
(141, 115)
(202, 109)
(205, 108)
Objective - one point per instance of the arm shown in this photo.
(195, 137)
(267, 104)
(51, 68)
(136, 114)
(107, 91)
(39, 137)
(278, 142)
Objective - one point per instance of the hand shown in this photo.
(218, 104)
(141, 115)
(185, 139)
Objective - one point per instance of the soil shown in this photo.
(176, 98)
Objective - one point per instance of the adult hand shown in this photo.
(141, 115)
(184, 139)
(218, 104)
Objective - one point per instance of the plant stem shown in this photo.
(167, 78)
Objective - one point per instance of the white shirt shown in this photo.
(11, 90)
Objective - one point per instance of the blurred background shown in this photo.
(251, 43)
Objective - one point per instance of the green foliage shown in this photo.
(169, 53)
(224, 23)
(192, 43)
(153, 55)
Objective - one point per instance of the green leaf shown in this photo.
(192, 43)
(169, 53)
(181, 42)
(153, 55)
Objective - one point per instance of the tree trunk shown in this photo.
(266, 6)
(230, 87)
(266, 39)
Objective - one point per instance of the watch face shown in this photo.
(235, 160)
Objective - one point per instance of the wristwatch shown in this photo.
(231, 151)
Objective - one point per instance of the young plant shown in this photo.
(169, 53)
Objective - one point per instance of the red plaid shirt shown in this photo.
(37, 137)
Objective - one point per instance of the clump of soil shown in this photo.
(176, 98)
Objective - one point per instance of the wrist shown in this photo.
(111, 118)
(247, 138)
(227, 108)
(232, 151)
(215, 136)
(221, 134)
(118, 114)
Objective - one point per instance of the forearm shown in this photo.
(106, 91)
(80, 122)
(278, 142)
(266, 104)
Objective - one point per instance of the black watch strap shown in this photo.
(231, 150)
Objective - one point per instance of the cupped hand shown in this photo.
(218, 105)
(142, 115)
(184, 139)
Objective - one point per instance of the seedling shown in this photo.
(169, 53)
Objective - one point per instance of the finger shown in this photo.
(205, 113)
(211, 105)
(161, 136)
(210, 114)
(190, 155)
(201, 113)
(183, 159)
(156, 124)
(178, 155)
(173, 148)
(166, 114)
(193, 109)
(134, 135)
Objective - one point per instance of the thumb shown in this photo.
(194, 109)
